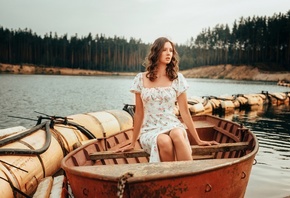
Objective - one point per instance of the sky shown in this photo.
(179, 20)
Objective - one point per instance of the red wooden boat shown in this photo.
(223, 170)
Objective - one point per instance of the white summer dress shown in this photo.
(159, 116)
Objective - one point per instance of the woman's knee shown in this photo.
(165, 147)
(164, 140)
(177, 134)
(165, 144)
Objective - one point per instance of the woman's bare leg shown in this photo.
(183, 151)
(166, 148)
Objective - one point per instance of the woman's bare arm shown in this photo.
(138, 117)
(138, 120)
(186, 117)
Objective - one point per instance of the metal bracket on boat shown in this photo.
(255, 162)
(208, 188)
(244, 175)
(130, 109)
(122, 182)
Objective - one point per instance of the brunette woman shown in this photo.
(161, 133)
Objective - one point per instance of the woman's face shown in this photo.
(166, 53)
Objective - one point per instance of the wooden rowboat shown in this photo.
(94, 170)
(29, 155)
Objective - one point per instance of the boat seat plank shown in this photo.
(203, 124)
(223, 147)
(114, 155)
(143, 171)
(196, 150)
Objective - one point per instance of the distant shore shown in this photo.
(31, 69)
(211, 72)
(236, 73)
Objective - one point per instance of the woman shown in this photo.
(161, 133)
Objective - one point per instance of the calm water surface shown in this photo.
(22, 95)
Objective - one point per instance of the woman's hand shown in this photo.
(125, 148)
(207, 143)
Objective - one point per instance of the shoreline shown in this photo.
(242, 72)
(41, 70)
(209, 72)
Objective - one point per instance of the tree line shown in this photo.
(256, 41)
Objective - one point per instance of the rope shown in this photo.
(122, 183)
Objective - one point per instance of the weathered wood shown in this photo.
(202, 157)
(196, 150)
(114, 155)
(141, 171)
(44, 188)
(224, 147)
(57, 187)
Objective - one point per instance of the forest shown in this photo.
(258, 41)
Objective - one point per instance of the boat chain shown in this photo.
(122, 183)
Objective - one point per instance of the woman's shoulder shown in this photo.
(140, 74)
(180, 75)
(179, 78)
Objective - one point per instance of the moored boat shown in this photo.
(29, 155)
(95, 170)
(284, 83)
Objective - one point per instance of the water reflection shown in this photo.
(271, 175)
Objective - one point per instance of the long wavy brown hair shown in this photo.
(152, 59)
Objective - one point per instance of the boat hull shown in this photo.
(230, 180)
(222, 174)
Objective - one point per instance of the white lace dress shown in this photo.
(159, 116)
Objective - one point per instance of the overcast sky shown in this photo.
(178, 20)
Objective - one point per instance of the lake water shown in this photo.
(22, 95)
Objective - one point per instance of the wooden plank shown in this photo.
(57, 187)
(44, 188)
(196, 150)
(224, 147)
(202, 157)
(114, 155)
